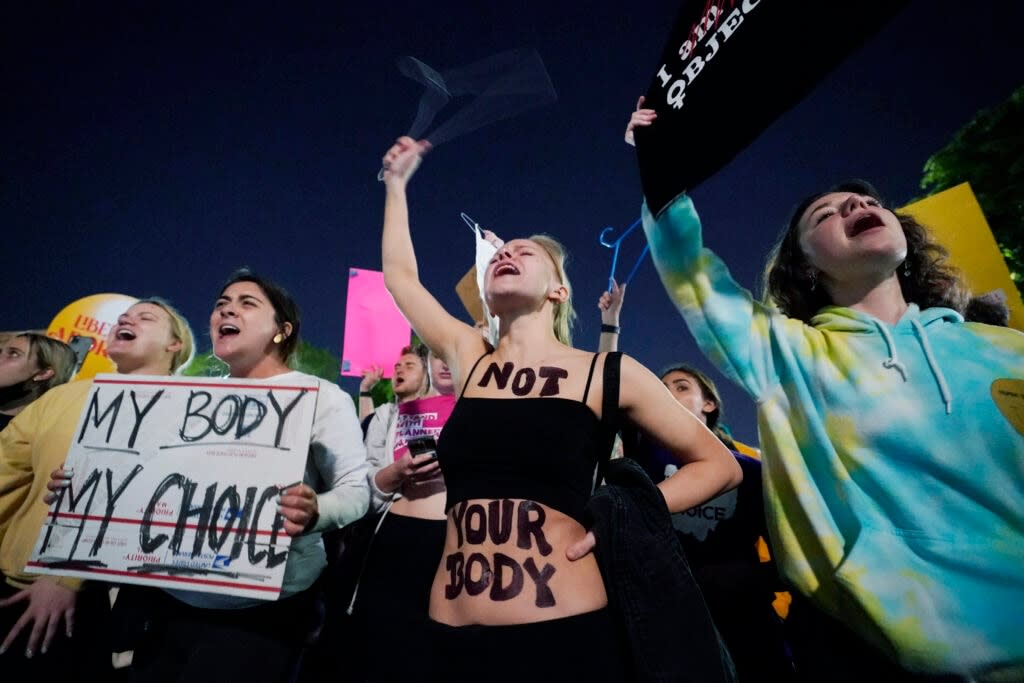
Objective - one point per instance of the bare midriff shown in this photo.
(504, 562)
(423, 500)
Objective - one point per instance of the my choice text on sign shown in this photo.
(175, 484)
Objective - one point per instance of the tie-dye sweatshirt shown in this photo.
(893, 457)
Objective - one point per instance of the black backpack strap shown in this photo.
(610, 398)
(611, 415)
(590, 377)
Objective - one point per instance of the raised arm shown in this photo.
(440, 331)
(610, 305)
(707, 468)
(371, 376)
(639, 119)
(732, 329)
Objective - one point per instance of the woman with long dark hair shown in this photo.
(190, 635)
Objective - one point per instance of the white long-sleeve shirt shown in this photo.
(336, 468)
(380, 451)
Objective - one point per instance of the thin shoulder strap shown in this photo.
(471, 371)
(590, 377)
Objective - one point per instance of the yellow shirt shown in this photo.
(34, 444)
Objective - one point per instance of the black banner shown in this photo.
(729, 69)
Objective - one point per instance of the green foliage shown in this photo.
(206, 365)
(316, 361)
(307, 358)
(383, 392)
(989, 154)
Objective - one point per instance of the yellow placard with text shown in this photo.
(955, 218)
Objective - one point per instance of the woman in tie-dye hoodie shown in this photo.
(892, 431)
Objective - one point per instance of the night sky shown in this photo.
(152, 150)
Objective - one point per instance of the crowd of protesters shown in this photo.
(508, 540)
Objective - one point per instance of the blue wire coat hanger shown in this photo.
(615, 245)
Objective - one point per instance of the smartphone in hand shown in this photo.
(423, 445)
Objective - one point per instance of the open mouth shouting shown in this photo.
(505, 268)
(227, 330)
(865, 222)
(124, 334)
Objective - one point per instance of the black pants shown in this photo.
(83, 657)
(586, 647)
(184, 644)
(394, 597)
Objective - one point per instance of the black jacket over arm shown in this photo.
(661, 611)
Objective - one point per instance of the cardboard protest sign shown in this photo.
(421, 417)
(728, 70)
(375, 330)
(175, 484)
(469, 294)
(954, 217)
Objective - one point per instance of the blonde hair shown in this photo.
(52, 354)
(179, 330)
(565, 314)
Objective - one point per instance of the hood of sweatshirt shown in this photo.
(839, 319)
(914, 320)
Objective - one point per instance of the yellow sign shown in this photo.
(956, 220)
(747, 450)
(1009, 396)
(92, 316)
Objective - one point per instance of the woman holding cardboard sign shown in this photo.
(521, 453)
(207, 636)
(38, 612)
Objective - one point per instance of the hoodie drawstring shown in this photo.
(926, 346)
(892, 362)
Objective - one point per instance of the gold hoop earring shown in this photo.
(278, 338)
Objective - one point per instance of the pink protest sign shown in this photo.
(421, 417)
(375, 330)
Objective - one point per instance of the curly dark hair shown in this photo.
(788, 278)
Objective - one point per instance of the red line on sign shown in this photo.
(179, 579)
(204, 384)
(126, 520)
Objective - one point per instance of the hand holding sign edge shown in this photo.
(299, 508)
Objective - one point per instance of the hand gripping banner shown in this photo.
(729, 69)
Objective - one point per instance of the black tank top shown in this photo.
(550, 450)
